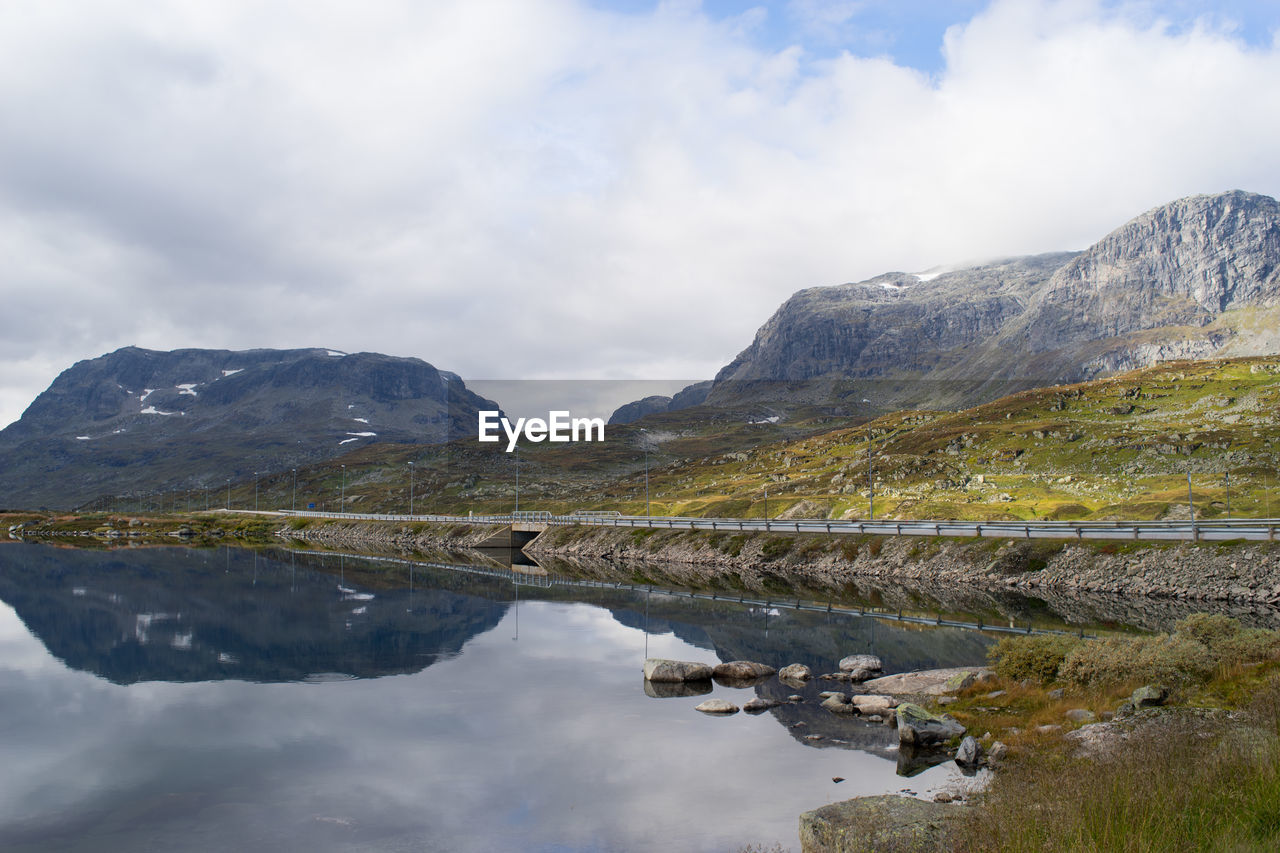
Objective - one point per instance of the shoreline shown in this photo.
(1236, 572)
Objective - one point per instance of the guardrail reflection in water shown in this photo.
(547, 581)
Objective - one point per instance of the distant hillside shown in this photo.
(138, 421)
(1119, 447)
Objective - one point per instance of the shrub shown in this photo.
(1167, 658)
(1229, 641)
(1208, 628)
(1251, 645)
(733, 547)
(1038, 656)
(774, 549)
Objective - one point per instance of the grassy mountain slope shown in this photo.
(1111, 448)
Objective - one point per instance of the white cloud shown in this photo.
(586, 194)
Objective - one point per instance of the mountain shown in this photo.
(1196, 278)
(142, 421)
(688, 397)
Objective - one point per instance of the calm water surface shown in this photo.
(171, 699)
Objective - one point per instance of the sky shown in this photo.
(576, 189)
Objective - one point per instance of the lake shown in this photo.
(183, 699)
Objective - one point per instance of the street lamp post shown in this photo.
(1191, 506)
(645, 441)
(228, 494)
(1227, 477)
(871, 482)
(342, 499)
(255, 491)
(295, 490)
(411, 488)
(517, 478)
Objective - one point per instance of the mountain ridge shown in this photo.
(140, 421)
(1186, 279)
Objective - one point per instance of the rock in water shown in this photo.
(795, 672)
(968, 753)
(874, 704)
(660, 669)
(717, 706)
(860, 667)
(839, 704)
(759, 705)
(743, 670)
(917, 727)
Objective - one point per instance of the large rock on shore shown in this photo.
(918, 727)
(661, 669)
(873, 824)
(929, 682)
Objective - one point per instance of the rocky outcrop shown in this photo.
(873, 824)
(1165, 285)
(929, 682)
(919, 728)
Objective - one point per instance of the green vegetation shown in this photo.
(1038, 656)
(1203, 774)
(1189, 782)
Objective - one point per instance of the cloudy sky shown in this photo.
(616, 189)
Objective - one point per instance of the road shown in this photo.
(1209, 531)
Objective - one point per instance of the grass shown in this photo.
(1201, 776)
(1189, 781)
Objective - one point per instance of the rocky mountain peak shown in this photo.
(1193, 278)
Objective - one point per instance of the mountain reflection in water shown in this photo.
(200, 615)
(183, 699)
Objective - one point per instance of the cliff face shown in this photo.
(1183, 264)
(141, 421)
(1194, 278)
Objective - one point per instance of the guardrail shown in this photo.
(1217, 530)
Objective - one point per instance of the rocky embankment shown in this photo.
(383, 536)
(1244, 573)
